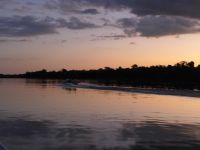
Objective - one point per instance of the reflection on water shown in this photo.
(150, 135)
(41, 115)
(19, 133)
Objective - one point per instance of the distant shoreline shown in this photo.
(126, 83)
(183, 75)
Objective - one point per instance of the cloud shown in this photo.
(13, 40)
(166, 25)
(111, 36)
(24, 26)
(132, 43)
(149, 18)
(127, 22)
(4, 3)
(77, 6)
(74, 7)
(154, 18)
(91, 11)
(156, 26)
(63, 41)
(186, 8)
(75, 23)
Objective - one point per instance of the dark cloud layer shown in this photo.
(154, 18)
(187, 8)
(17, 26)
(156, 26)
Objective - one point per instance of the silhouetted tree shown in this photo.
(190, 64)
(181, 75)
(134, 66)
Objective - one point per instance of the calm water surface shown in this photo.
(42, 115)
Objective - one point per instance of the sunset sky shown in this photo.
(90, 34)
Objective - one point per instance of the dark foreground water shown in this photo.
(42, 115)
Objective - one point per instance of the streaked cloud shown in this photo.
(13, 40)
(110, 37)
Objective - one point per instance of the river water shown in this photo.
(43, 115)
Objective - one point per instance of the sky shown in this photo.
(91, 34)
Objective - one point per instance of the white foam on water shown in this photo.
(161, 91)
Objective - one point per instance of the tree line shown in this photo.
(184, 75)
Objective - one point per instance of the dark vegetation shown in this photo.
(183, 75)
